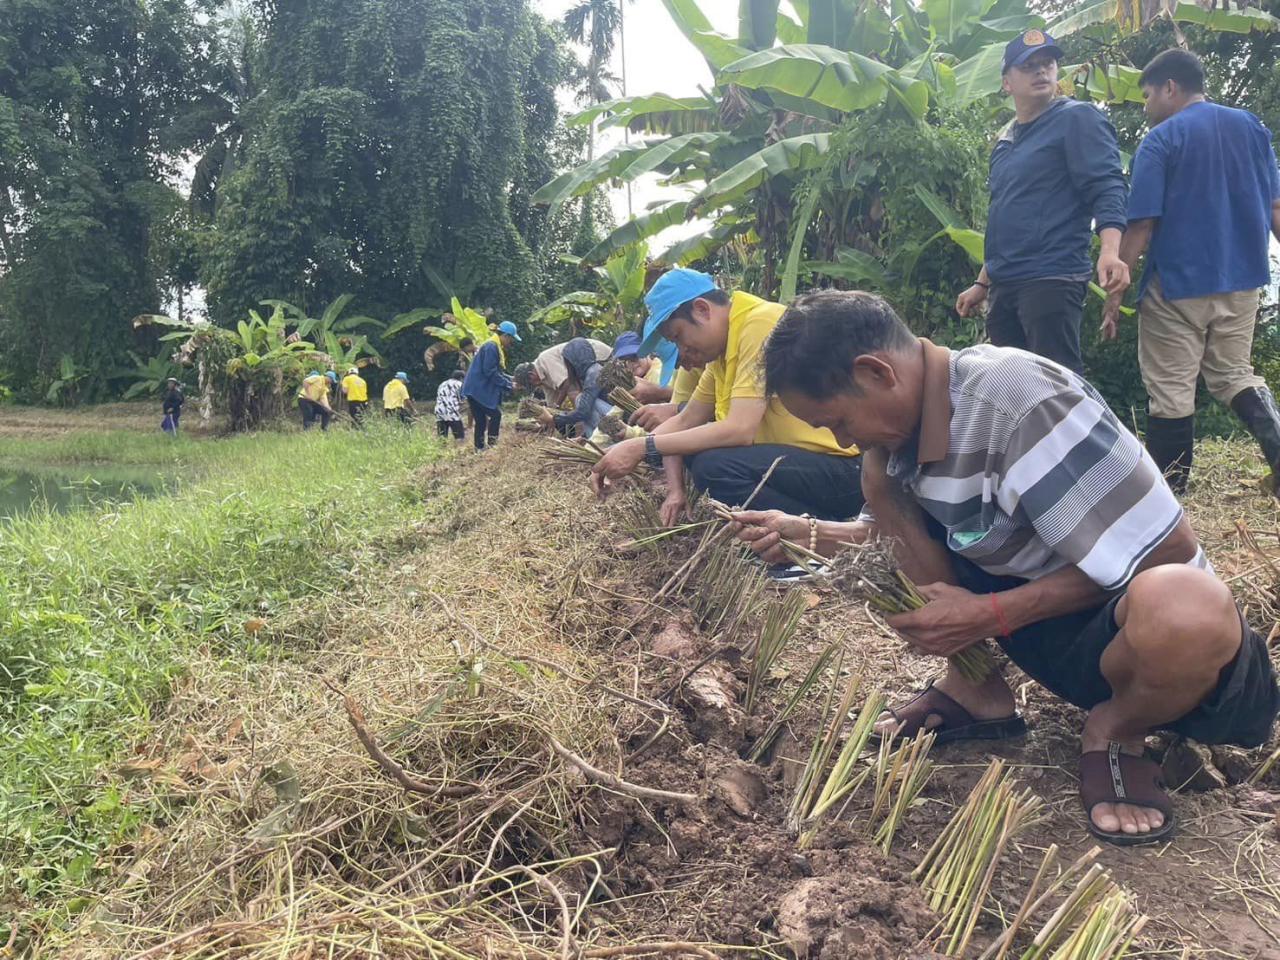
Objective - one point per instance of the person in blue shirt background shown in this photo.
(486, 383)
(1206, 198)
(1055, 169)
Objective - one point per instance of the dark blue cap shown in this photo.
(626, 346)
(1018, 49)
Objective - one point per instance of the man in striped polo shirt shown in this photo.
(1028, 513)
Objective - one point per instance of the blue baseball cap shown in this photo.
(402, 376)
(676, 286)
(509, 328)
(1021, 47)
(626, 346)
(331, 375)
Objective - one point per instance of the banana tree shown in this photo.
(792, 77)
(615, 307)
(460, 324)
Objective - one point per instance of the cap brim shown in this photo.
(654, 336)
(1030, 52)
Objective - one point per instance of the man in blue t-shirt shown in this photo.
(1205, 195)
(1055, 175)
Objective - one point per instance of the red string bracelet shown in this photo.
(1004, 624)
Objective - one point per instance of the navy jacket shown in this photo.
(485, 382)
(591, 406)
(1049, 179)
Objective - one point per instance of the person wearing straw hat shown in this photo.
(487, 382)
(356, 392)
(1027, 512)
(313, 400)
(1055, 178)
(396, 399)
(729, 435)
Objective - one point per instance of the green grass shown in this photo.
(118, 447)
(100, 610)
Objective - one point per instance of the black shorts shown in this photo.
(1064, 655)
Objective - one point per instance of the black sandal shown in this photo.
(1110, 776)
(957, 722)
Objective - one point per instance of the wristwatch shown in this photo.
(651, 454)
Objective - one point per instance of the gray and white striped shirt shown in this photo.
(1029, 471)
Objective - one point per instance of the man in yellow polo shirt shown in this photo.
(356, 390)
(729, 434)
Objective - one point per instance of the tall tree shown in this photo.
(390, 153)
(90, 91)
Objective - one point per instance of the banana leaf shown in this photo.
(624, 163)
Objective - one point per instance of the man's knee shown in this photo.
(1181, 617)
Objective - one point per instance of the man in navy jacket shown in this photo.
(487, 382)
(1054, 174)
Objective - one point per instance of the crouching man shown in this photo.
(1031, 515)
(729, 434)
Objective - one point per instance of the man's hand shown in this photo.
(970, 299)
(1113, 273)
(620, 460)
(647, 392)
(673, 508)
(1110, 328)
(764, 530)
(545, 417)
(653, 415)
(953, 619)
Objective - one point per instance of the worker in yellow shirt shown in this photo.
(729, 433)
(313, 400)
(356, 391)
(396, 399)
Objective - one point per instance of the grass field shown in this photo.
(101, 610)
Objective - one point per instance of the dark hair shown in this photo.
(812, 349)
(1181, 66)
(685, 310)
(465, 342)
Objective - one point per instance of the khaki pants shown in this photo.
(1181, 339)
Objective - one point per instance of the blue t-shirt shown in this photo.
(1209, 174)
(1050, 180)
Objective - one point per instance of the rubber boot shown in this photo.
(1170, 443)
(1256, 407)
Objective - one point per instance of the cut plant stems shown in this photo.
(792, 703)
(957, 871)
(900, 775)
(779, 627)
(869, 572)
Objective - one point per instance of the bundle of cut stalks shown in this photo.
(900, 775)
(957, 871)
(819, 790)
(615, 374)
(525, 425)
(566, 451)
(870, 572)
(529, 408)
(621, 398)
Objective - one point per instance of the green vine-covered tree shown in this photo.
(90, 94)
(391, 152)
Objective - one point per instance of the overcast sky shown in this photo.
(658, 60)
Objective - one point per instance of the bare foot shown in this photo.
(1117, 817)
(990, 700)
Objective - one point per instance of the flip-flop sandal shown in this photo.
(957, 723)
(1110, 776)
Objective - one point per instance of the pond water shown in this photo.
(71, 488)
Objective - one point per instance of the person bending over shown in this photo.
(1028, 513)
(729, 433)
